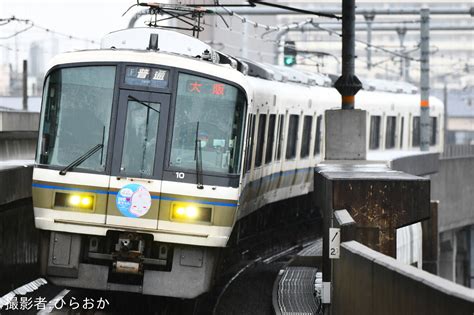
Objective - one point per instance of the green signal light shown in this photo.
(289, 60)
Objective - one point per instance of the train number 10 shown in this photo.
(179, 175)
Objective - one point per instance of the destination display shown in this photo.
(146, 76)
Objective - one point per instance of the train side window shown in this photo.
(416, 132)
(262, 121)
(374, 141)
(317, 140)
(433, 130)
(390, 132)
(270, 139)
(281, 125)
(292, 137)
(248, 157)
(401, 132)
(305, 140)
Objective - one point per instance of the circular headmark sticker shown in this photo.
(133, 200)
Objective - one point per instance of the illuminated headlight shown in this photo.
(190, 213)
(77, 201)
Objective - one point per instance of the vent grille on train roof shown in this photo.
(285, 74)
(388, 86)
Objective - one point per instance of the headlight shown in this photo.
(190, 213)
(76, 201)
(86, 201)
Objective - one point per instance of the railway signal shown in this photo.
(289, 53)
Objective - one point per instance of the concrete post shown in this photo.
(369, 19)
(445, 122)
(430, 240)
(348, 84)
(425, 80)
(346, 137)
(471, 254)
(454, 254)
(25, 85)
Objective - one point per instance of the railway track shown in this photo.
(36, 297)
(251, 289)
(248, 291)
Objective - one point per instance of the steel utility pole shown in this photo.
(25, 85)
(445, 122)
(425, 80)
(348, 84)
(369, 18)
(402, 31)
(345, 131)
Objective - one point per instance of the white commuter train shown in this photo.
(151, 161)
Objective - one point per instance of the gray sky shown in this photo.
(86, 18)
(89, 19)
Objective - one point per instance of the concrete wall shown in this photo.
(18, 145)
(15, 183)
(453, 186)
(19, 121)
(18, 235)
(368, 282)
(18, 135)
(420, 164)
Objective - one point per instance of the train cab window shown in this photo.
(390, 132)
(292, 137)
(75, 117)
(139, 144)
(416, 132)
(250, 131)
(208, 120)
(402, 124)
(374, 140)
(317, 140)
(306, 138)
(262, 121)
(281, 126)
(270, 139)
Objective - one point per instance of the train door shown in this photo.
(137, 164)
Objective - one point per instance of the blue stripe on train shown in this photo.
(104, 192)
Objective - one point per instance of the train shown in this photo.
(156, 153)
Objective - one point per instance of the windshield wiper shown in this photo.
(142, 103)
(81, 159)
(198, 158)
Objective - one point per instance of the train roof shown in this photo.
(159, 40)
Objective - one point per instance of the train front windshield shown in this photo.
(75, 118)
(208, 122)
(77, 110)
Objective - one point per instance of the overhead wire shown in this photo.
(31, 24)
(297, 25)
(272, 28)
(18, 32)
(9, 48)
(369, 45)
